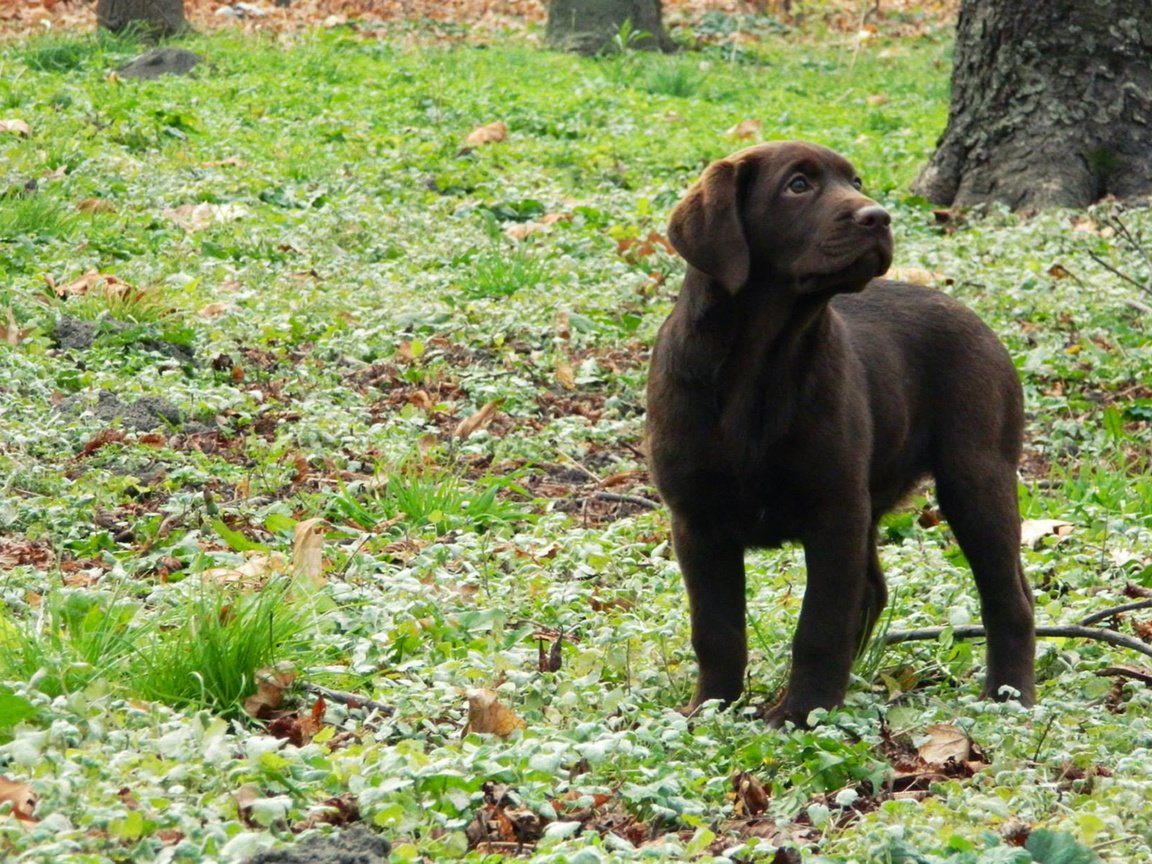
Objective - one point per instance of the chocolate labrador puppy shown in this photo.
(793, 396)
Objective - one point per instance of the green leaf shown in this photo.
(280, 523)
(235, 540)
(13, 708)
(1058, 847)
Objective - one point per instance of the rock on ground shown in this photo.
(161, 61)
(356, 845)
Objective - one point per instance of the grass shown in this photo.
(355, 291)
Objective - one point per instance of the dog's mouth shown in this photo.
(849, 266)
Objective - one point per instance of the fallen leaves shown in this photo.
(21, 797)
(490, 133)
(271, 685)
(486, 715)
(112, 287)
(746, 130)
(918, 276)
(1033, 532)
(15, 127)
(480, 419)
(308, 551)
(198, 217)
(944, 743)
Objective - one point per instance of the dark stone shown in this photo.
(143, 415)
(161, 61)
(73, 334)
(356, 845)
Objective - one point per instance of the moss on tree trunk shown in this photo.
(1051, 105)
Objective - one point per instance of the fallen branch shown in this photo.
(1082, 630)
(352, 700)
(1074, 631)
(1133, 672)
(626, 499)
(1105, 614)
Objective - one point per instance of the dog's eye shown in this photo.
(798, 184)
(858, 183)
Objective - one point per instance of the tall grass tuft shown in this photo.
(208, 648)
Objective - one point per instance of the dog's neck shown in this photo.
(737, 335)
(762, 313)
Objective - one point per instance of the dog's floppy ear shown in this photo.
(706, 229)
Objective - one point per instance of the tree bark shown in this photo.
(155, 18)
(591, 26)
(1051, 105)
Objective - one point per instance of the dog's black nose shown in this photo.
(872, 216)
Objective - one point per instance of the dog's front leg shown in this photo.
(712, 565)
(828, 632)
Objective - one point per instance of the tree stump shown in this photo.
(592, 26)
(1051, 105)
(154, 18)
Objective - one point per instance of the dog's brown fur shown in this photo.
(794, 396)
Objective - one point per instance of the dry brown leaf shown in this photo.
(252, 574)
(15, 127)
(299, 729)
(566, 375)
(14, 334)
(269, 696)
(918, 276)
(308, 550)
(96, 205)
(562, 325)
(1033, 531)
(521, 230)
(746, 129)
(945, 742)
(114, 287)
(245, 797)
(491, 133)
(487, 716)
(19, 552)
(21, 797)
(1084, 225)
(750, 794)
(214, 309)
(340, 810)
(477, 420)
(197, 217)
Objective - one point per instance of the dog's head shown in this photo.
(788, 213)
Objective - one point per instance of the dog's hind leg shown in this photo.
(980, 504)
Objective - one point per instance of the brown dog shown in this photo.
(793, 396)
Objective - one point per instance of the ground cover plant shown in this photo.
(323, 498)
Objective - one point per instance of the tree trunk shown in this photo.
(1051, 105)
(591, 26)
(155, 18)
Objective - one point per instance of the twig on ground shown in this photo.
(352, 700)
(1115, 271)
(1133, 672)
(626, 499)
